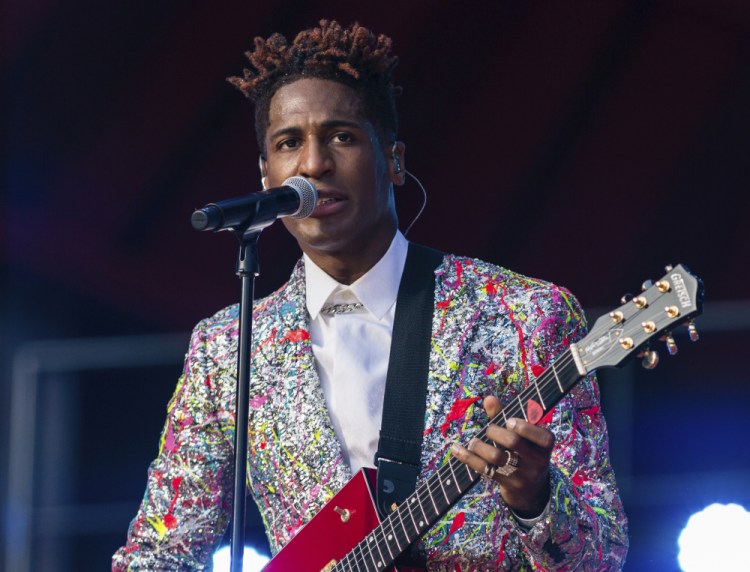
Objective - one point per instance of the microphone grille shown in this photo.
(308, 196)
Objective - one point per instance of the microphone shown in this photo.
(297, 198)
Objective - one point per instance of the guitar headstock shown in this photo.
(629, 330)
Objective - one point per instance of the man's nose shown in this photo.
(315, 160)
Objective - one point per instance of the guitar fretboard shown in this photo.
(424, 507)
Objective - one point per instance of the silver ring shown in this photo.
(510, 465)
(489, 472)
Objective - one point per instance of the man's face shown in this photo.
(317, 131)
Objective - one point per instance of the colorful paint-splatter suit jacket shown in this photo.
(493, 332)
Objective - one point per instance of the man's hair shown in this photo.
(352, 56)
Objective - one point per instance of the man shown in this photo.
(325, 111)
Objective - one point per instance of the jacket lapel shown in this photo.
(310, 451)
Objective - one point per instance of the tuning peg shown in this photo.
(646, 285)
(671, 344)
(692, 331)
(668, 268)
(617, 316)
(626, 298)
(650, 359)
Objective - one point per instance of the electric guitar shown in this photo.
(348, 536)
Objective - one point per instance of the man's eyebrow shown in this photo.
(285, 131)
(334, 123)
(326, 125)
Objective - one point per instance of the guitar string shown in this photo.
(548, 379)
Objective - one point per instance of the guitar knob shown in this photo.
(692, 331)
(626, 298)
(646, 285)
(650, 359)
(671, 345)
(343, 513)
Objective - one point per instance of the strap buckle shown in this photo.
(395, 482)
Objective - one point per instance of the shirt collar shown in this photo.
(377, 289)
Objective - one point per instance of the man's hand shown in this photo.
(526, 489)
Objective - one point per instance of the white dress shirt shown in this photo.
(351, 349)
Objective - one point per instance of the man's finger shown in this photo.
(540, 436)
(492, 406)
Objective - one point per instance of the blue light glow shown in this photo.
(715, 539)
(251, 561)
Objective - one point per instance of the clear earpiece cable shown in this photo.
(424, 203)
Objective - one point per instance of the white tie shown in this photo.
(352, 373)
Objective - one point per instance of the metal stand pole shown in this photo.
(247, 270)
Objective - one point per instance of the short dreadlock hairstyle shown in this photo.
(352, 56)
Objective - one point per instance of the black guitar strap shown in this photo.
(404, 404)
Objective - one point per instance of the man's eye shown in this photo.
(288, 144)
(343, 137)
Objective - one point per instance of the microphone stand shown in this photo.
(256, 215)
(247, 269)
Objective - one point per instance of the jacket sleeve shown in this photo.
(584, 527)
(187, 503)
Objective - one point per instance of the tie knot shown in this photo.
(345, 308)
(342, 301)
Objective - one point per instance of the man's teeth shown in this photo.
(326, 201)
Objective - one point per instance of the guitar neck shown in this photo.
(423, 508)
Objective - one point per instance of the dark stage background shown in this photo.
(588, 143)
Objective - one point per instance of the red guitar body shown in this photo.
(345, 520)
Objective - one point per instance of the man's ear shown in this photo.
(263, 166)
(397, 163)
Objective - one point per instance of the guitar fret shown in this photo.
(373, 556)
(407, 504)
(465, 481)
(421, 508)
(407, 525)
(557, 378)
(436, 486)
(541, 399)
(403, 528)
(440, 480)
(455, 478)
(429, 493)
(521, 404)
(368, 545)
(385, 539)
(469, 473)
(377, 545)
